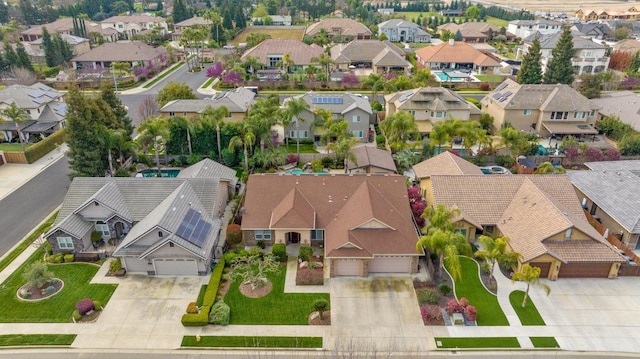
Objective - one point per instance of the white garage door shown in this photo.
(169, 266)
(347, 267)
(390, 265)
(135, 265)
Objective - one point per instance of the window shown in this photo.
(264, 234)
(103, 229)
(171, 244)
(228, 115)
(527, 112)
(579, 115)
(301, 134)
(356, 118)
(160, 234)
(413, 112)
(172, 113)
(462, 231)
(592, 113)
(317, 234)
(273, 61)
(559, 115)
(65, 243)
(357, 134)
(567, 234)
(488, 229)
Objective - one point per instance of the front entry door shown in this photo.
(293, 237)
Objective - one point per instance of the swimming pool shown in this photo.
(297, 171)
(442, 77)
(154, 173)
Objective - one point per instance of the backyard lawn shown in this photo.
(470, 287)
(13, 147)
(413, 15)
(304, 148)
(483, 342)
(528, 315)
(59, 307)
(278, 33)
(252, 342)
(276, 308)
(491, 78)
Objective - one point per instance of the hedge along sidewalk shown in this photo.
(162, 75)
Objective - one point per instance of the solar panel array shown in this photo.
(502, 85)
(193, 228)
(327, 100)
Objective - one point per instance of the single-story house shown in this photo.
(271, 52)
(371, 160)
(474, 32)
(622, 104)
(445, 163)
(363, 221)
(338, 28)
(380, 56)
(237, 101)
(160, 226)
(136, 53)
(457, 55)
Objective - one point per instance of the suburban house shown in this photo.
(380, 56)
(622, 104)
(371, 160)
(629, 45)
(340, 29)
(131, 25)
(363, 221)
(429, 105)
(161, 226)
(589, 57)
(45, 106)
(457, 55)
(237, 101)
(64, 26)
(609, 191)
(136, 53)
(271, 52)
(79, 46)
(526, 28)
(275, 20)
(398, 30)
(592, 30)
(612, 12)
(474, 32)
(354, 109)
(195, 22)
(453, 12)
(445, 163)
(543, 109)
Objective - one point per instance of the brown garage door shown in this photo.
(584, 270)
(350, 267)
(544, 268)
(390, 265)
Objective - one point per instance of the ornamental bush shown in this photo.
(76, 315)
(97, 305)
(471, 312)
(220, 313)
(444, 289)
(427, 296)
(37, 275)
(279, 251)
(430, 312)
(305, 253)
(56, 258)
(68, 258)
(192, 308)
(50, 290)
(83, 306)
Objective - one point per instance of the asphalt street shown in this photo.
(23, 209)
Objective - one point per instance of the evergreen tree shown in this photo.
(4, 13)
(531, 68)
(226, 19)
(63, 49)
(239, 18)
(51, 52)
(120, 112)
(24, 60)
(559, 69)
(458, 36)
(10, 56)
(2, 63)
(159, 5)
(180, 12)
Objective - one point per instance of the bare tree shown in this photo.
(22, 76)
(147, 108)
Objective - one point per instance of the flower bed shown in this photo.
(31, 294)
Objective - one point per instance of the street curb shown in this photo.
(55, 159)
(10, 250)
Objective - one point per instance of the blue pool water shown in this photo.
(154, 173)
(298, 171)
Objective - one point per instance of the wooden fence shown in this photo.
(626, 269)
(15, 157)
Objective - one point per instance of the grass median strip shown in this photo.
(36, 339)
(528, 315)
(27, 242)
(163, 75)
(544, 342)
(252, 342)
(478, 342)
(207, 83)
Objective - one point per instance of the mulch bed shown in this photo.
(310, 276)
(90, 318)
(316, 318)
(258, 292)
(36, 293)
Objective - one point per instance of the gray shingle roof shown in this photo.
(236, 100)
(550, 41)
(209, 169)
(367, 51)
(430, 98)
(349, 102)
(29, 97)
(371, 156)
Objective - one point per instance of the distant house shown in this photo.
(526, 28)
(544, 109)
(611, 12)
(340, 29)
(64, 26)
(474, 32)
(354, 109)
(79, 46)
(160, 226)
(621, 104)
(371, 160)
(237, 101)
(45, 106)
(628, 45)
(131, 25)
(594, 31)
(380, 56)
(276, 20)
(429, 105)
(386, 11)
(398, 30)
(363, 222)
(271, 52)
(195, 22)
(136, 53)
(453, 12)
(456, 55)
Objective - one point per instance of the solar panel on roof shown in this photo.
(188, 224)
(497, 95)
(507, 94)
(502, 85)
(327, 100)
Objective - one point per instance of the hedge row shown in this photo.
(201, 319)
(42, 148)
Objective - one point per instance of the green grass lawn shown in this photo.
(36, 339)
(58, 308)
(470, 287)
(27, 242)
(207, 83)
(13, 147)
(304, 148)
(413, 15)
(252, 342)
(528, 315)
(490, 78)
(276, 308)
(544, 342)
(473, 342)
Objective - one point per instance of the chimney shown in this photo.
(451, 42)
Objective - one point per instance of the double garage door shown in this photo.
(584, 270)
(171, 266)
(352, 267)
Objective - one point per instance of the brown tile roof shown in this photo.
(300, 53)
(193, 21)
(369, 212)
(347, 27)
(122, 51)
(459, 52)
(628, 45)
(445, 163)
(60, 25)
(430, 98)
(371, 156)
(380, 53)
(294, 211)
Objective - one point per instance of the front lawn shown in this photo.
(478, 342)
(276, 308)
(58, 308)
(252, 342)
(528, 315)
(544, 342)
(470, 287)
(13, 147)
(10, 340)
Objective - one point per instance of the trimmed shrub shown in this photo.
(47, 247)
(327, 162)
(305, 253)
(56, 258)
(212, 287)
(83, 306)
(427, 296)
(115, 265)
(471, 312)
(76, 315)
(97, 305)
(68, 258)
(220, 313)
(444, 289)
(196, 320)
(234, 234)
(430, 312)
(50, 290)
(42, 148)
(192, 308)
(484, 86)
(279, 251)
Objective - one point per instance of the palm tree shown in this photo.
(155, 131)
(252, 63)
(375, 82)
(263, 115)
(439, 135)
(124, 145)
(246, 138)
(398, 129)
(189, 124)
(199, 36)
(215, 117)
(531, 276)
(216, 21)
(18, 116)
(325, 61)
(293, 108)
(286, 63)
(186, 40)
(470, 132)
(494, 251)
(110, 138)
(342, 147)
(118, 67)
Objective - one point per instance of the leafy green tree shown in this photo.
(591, 87)
(24, 61)
(547, 168)
(473, 12)
(325, 61)
(342, 148)
(155, 132)
(262, 116)
(175, 91)
(215, 117)
(10, 56)
(375, 82)
(531, 276)
(255, 38)
(629, 144)
(495, 250)
(514, 140)
(118, 109)
(559, 69)
(458, 36)
(18, 116)
(383, 37)
(531, 68)
(37, 275)
(245, 139)
(399, 129)
(180, 12)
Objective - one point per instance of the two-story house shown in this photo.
(429, 105)
(195, 22)
(526, 28)
(65, 26)
(542, 109)
(354, 109)
(398, 30)
(79, 46)
(237, 101)
(474, 32)
(339, 29)
(593, 31)
(271, 54)
(130, 25)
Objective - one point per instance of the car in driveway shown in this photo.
(495, 170)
